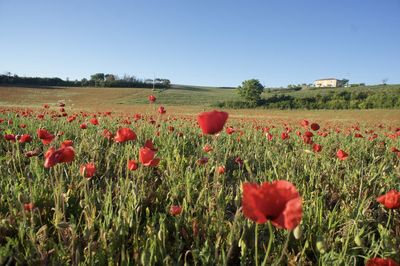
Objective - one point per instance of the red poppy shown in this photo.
(202, 161)
(278, 202)
(149, 144)
(239, 161)
(305, 123)
(394, 149)
(308, 134)
(28, 206)
(94, 121)
(207, 148)
(25, 138)
(161, 110)
(230, 130)
(285, 135)
(381, 262)
(146, 157)
(107, 134)
(390, 200)
(62, 155)
(132, 165)
(221, 170)
(83, 126)
(87, 170)
(316, 147)
(358, 135)
(124, 134)
(212, 122)
(45, 136)
(175, 210)
(67, 143)
(342, 155)
(10, 137)
(46, 106)
(314, 126)
(152, 98)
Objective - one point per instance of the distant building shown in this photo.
(330, 82)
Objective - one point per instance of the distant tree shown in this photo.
(97, 77)
(384, 81)
(251, 90)
(109, 77)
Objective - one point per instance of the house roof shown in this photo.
(326, 79)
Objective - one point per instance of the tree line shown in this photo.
(251, 91)
(96, 80)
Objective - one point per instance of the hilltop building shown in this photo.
(330, 82)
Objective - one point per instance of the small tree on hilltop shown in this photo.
(251, 90)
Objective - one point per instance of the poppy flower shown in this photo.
(212, 122)
(230, 130)
(62, 155)
(152, 98)
(221, 170)
(83, 126)
(316, 147)
(305, 123)
(207, 148)
(149, 144)
(308, 134)
(28, 206)
(390, 200)
(107, 134)
(46, 106)
(381, 262)
(278, 202)
(94, 121)
(45, 136)
(202, 161)
(175, 210)
(87, 170)
(161, 110)
(10, 137)
(132, 165)
(146, 157)
(124, 134)
(314, 126)
(285, 135)
(239, 161)
(25, 138)
(342, 155)
(67, 143)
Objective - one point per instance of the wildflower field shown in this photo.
(167, 188)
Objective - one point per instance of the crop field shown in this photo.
(96, 176)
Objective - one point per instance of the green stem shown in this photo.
(270, 240)
(256, 244)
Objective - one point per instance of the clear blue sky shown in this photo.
(207, 42)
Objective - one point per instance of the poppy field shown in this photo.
(166, 188)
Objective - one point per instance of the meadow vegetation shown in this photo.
(101, 208)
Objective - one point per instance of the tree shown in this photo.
(97, 77)
(251, 90)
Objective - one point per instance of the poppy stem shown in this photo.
(256, 244)
(270, 240)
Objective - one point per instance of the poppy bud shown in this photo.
(297, 232)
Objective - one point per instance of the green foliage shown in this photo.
(334, 99)
(251, 90)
